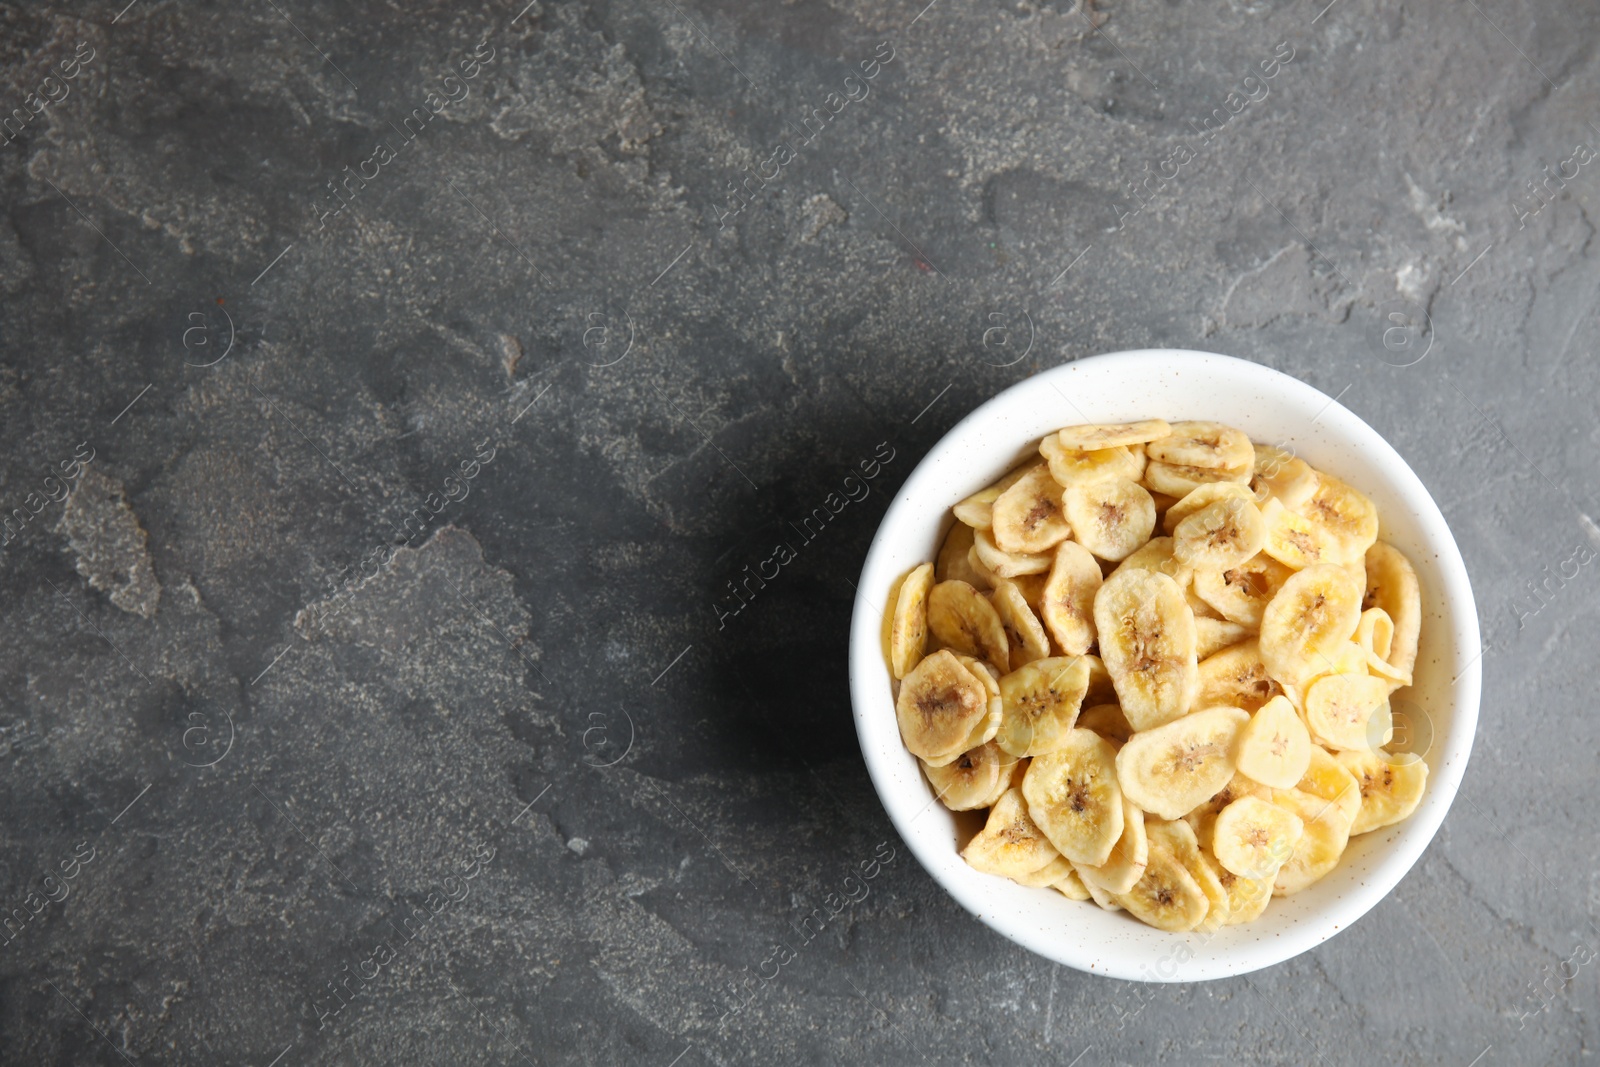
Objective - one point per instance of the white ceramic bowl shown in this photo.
(1272, 408)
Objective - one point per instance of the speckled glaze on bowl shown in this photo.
(1272, 408)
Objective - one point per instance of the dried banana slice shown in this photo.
(1106, 720)
(1283, 476)
(909, 636)
(1391, 787)
(1128, 857)
(1071, 886)
(1253, 838)
(989, 725)
(1107, 901)
(1075, 466)
(1241, 593)
(1294, 540)
(1219, 535)
(1274, 747)
(977, 510)
(1203, 818)
(1147, 641)
(1067, 606)
(1007, 564)
(939, 706)
(1171, 769)
(1025, 636)
(1178, 839)
(1156, 555)
(1312, 618)
(1340, 707)
(1213, 635)
(1247, 897)
(962, 618)
(974, 779)
(1375, 636)
(1202, 497)
(1010, 843)
(1179, 480)
(1049, 874)
(1101, 689)
(1235, 676)
(1392, 586)
(1203, 444)
(953, 563)
(1166, 895)
(1112, 435)
(1110, 518)
(1041, 701)
(1347, 519)
(1073, 795)
(1327, 780)
(1027, 517)
(1326, 832)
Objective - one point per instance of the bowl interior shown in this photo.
(1439, 712)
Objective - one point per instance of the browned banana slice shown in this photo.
(1073, 796)
(1203, 444)
(909, 636)
(939, 706)
(1112, 435)
(974, 779)
(1294, 540)
(1007, 564)
(962, 618)
(1040, 703)
(1128, 857)
(1242, 592)
(1068, 604)
(1074, 466)
(1313, 616)
(1236, 676)
(1147, 641)
(1391, 787)
(1282, 475)
(1110, 518)
(1010, 844)
(1028, 518)
(1170, 770)
(953, 563)
(1025, 635)
(1392, 586)
(1179, 480)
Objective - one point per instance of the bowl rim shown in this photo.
(869, 693)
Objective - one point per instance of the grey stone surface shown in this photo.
(262, 707)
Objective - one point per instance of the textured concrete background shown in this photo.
(506, 771)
